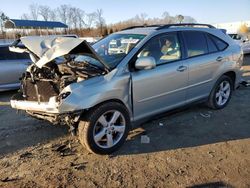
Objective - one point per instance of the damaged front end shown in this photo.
(58, 63)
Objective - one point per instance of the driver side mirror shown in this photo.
(145, 63)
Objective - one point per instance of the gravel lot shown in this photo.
(193, 147)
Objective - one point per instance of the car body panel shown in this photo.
(158, 89)
(11, 69)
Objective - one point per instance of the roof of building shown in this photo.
(15, 23)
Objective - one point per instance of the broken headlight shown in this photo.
(65, 95)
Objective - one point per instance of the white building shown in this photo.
(232, 27)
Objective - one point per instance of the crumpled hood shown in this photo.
(48, 48)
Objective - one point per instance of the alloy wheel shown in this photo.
(109, 129)
(223, 93)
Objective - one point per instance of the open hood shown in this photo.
(48, 48)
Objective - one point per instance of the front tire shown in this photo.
(105, 128)
(221, 93)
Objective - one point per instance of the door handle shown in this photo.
(181, 68)
(219, 58)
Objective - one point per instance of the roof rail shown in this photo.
(184, 25)
(141, 26)
(162, 26)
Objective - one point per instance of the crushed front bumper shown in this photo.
(19, 103)
(45, 110)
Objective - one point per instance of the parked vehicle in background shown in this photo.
(242, 40)
(100, 94)
(12, 66)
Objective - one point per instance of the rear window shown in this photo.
(196, 43)
(5, 54)
(221, 45)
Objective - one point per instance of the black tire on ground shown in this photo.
(87, 127)
(212, 103)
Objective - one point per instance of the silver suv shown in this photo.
(154, 69)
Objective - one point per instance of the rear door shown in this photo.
(164, 86)
(203, 59)
(12, 65)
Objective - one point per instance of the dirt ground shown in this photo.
(194, 147)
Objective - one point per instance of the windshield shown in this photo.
(115, 47)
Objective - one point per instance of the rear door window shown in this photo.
(196, 43)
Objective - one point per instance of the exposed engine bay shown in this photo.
(40, 84)
(58, 62)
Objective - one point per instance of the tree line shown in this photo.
(93, 23)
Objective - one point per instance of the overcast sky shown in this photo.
(205, 11)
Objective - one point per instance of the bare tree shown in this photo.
(73, 17)
(76, 17)
(44, 12)
(143, 17)
(100, 21)
(52, 15)
(63, 13)
(25, 16)
(3, 18)
(166, 18)
(90, 19)
(34, 13)
(81, 18)
(189, 19)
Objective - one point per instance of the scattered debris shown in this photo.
(5, 164)
(245, 83)
(64, 149)
(145, 139)
(60, 148)
(25, 155)
(79, 166)
(47, 146)
(205, 115)
(7, 179)
(211, 153)
(180, 171)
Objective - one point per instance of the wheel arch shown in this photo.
(232, 75)
(113, 100)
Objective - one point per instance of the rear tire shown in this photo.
(105, 128)
(221, 93)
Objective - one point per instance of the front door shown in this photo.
(163, 87)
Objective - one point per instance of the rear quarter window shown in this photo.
(221, 45)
